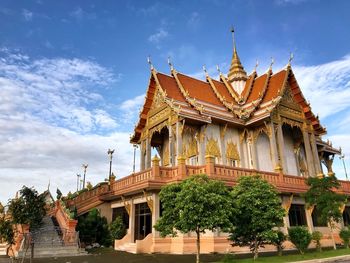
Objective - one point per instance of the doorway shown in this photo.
(143, 221)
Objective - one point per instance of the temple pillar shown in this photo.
(201, 145)
(242, 161)
(210, 165)
(286, 204)
(308, 212)
(131, 220)
(155, 213)
(274, 151)
(252, 145)
(317, 162)
(148, 153)
(309, 156)
(142, 155)
(280, 140)
(171, 146)
(178, 140)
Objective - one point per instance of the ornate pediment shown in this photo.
(232, 152)
(212, 148)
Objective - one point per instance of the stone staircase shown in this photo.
(128, 247)
(3, 248)
(48, 242)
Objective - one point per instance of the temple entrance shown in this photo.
(143, 221)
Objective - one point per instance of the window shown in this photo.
(193, 160)
(346, 216)
(297, 215)
(316, 218)
(232, 162)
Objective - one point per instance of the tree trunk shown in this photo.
(255, 250)
(331, 229)
(198, 245)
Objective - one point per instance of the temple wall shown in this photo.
(289, 153)
(232, 135)
(106, 211)
(264, 153)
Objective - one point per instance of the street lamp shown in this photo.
(85, 166)
(110, 154)
(135, 147)
(78, 177)
(342, 157)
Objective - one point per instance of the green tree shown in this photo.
(195, 205)
(28, 208)
(257, 209)
(317, 236)
(117, 228)
(300, 237)
(7, 232)
(277, 238)
(94, 228)
(321, 193)
(344, 234)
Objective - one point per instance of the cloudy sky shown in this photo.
(73, 73)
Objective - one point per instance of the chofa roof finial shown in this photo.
(272, 62)
(256, 65)
(170, 64)
(150, 62)
(291, 56)
(233, 38)
(205, 71)
(218, 69)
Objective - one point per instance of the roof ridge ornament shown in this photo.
(170, 64)
(205, 71)
(150, 62)
(218, 69)
(256, 65)
(291, 57)
(272, 62)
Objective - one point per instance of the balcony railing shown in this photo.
(157, 176)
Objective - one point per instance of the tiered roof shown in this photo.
(212, 99)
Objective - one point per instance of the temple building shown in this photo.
(237, 125)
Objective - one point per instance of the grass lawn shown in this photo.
(291, 258)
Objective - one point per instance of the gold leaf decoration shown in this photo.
(212, 148)
(231, 151)
(190, 149)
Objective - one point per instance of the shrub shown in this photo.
(117, 228)
(277, 238)
(300, 237)
(317, 236)
(344, 234)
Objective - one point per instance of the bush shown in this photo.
(94, 229)
(277, 238)
(117, 228)
(317, 236)
(344, 234)
(300, 237)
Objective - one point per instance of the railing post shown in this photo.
(181, 166)
(210, 165)
(155, 167)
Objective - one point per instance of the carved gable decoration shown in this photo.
(212, 148)
(231, 151)
(288, 96)
(190, 149)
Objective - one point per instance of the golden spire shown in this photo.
(236, 71)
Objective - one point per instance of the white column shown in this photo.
(317, 162)
(171, 148)
(309, 156)
(282, 156)
(274, 150)
(178, 140)
(132, 221)
(148, 153)
(142, 155)
(253, 151)
(155, 213)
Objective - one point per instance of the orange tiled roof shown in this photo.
(262, 89)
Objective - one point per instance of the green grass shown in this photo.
(290, 258)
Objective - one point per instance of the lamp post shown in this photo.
(110, 154)
(85, 166)
(78, 177)
(133, 167)
(342, 157)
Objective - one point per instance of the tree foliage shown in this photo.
(28, 208)
(300, 237)
(277, 238)
(344, 234)
(257, 209)
(317, 236)
(195, 205)
(94, 229)
(321, 193)
(117, 228)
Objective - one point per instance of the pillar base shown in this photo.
(320, 175)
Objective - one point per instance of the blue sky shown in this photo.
(73, 73)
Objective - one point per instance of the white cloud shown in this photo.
(159, 36)
(52, 120)
(79, 14)
(28, 15)
(131, 107)
(194, 20)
